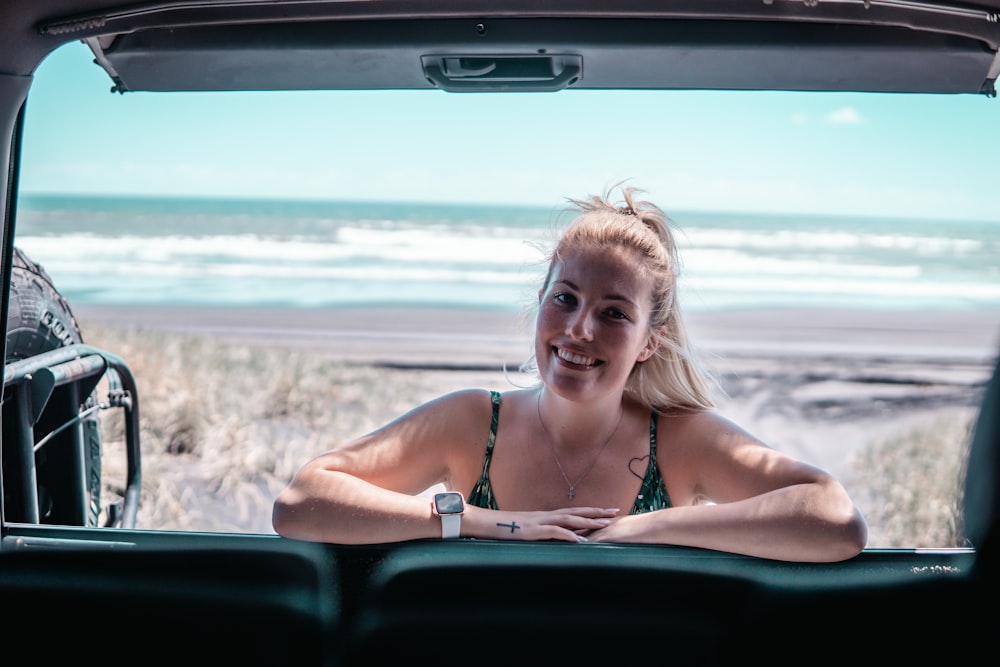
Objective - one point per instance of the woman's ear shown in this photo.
(652, 345)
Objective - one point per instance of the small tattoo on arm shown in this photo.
(512, 525)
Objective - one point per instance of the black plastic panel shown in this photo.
(667, 54)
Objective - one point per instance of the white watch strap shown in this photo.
(451, 526)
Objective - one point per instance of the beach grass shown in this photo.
(225, 424)
(914, 479)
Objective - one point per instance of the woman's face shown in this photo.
(593, 322)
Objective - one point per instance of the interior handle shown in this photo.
(484, 73)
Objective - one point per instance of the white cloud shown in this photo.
(844, 116)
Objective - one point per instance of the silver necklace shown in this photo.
(572, 485)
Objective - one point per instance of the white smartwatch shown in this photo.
(449, 506)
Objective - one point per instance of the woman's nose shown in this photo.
(581, 325)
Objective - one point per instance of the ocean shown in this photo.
(220, 252)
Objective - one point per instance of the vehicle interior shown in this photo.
(100, 583)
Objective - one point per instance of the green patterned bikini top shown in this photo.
(652, 494)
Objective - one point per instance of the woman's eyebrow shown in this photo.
(611, 296)
(620, 298)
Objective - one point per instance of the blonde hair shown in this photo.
(671, 378)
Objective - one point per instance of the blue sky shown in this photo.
(902, 155)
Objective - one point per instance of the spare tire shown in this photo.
(39, 319)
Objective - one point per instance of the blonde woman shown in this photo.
(618, 442)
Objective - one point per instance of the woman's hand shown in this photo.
(569, 524)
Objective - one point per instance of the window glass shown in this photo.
(285, 271)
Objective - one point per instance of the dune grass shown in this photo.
(224, 427)
(914, 481)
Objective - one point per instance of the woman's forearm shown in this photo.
(336, 507)
(807, 522)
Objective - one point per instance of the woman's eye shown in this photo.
(563, 297)
(616, 314)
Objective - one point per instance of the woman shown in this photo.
(618, 442)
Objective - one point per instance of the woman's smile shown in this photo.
(575, 358)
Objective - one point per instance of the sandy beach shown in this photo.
(456, 337)
(820, 384)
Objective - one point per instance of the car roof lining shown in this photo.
(109, 16)
(839, 45)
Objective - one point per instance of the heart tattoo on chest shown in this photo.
(637, 466)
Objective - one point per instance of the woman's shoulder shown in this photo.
(704, 432)
(692, 421)
(480, 401)
(481, 393)
(469, 395)
(472, 399)
(463, 411)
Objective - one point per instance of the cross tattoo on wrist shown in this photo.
(512, 525)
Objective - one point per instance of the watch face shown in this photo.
(449, 503)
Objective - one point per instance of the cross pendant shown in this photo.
(571, 494)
